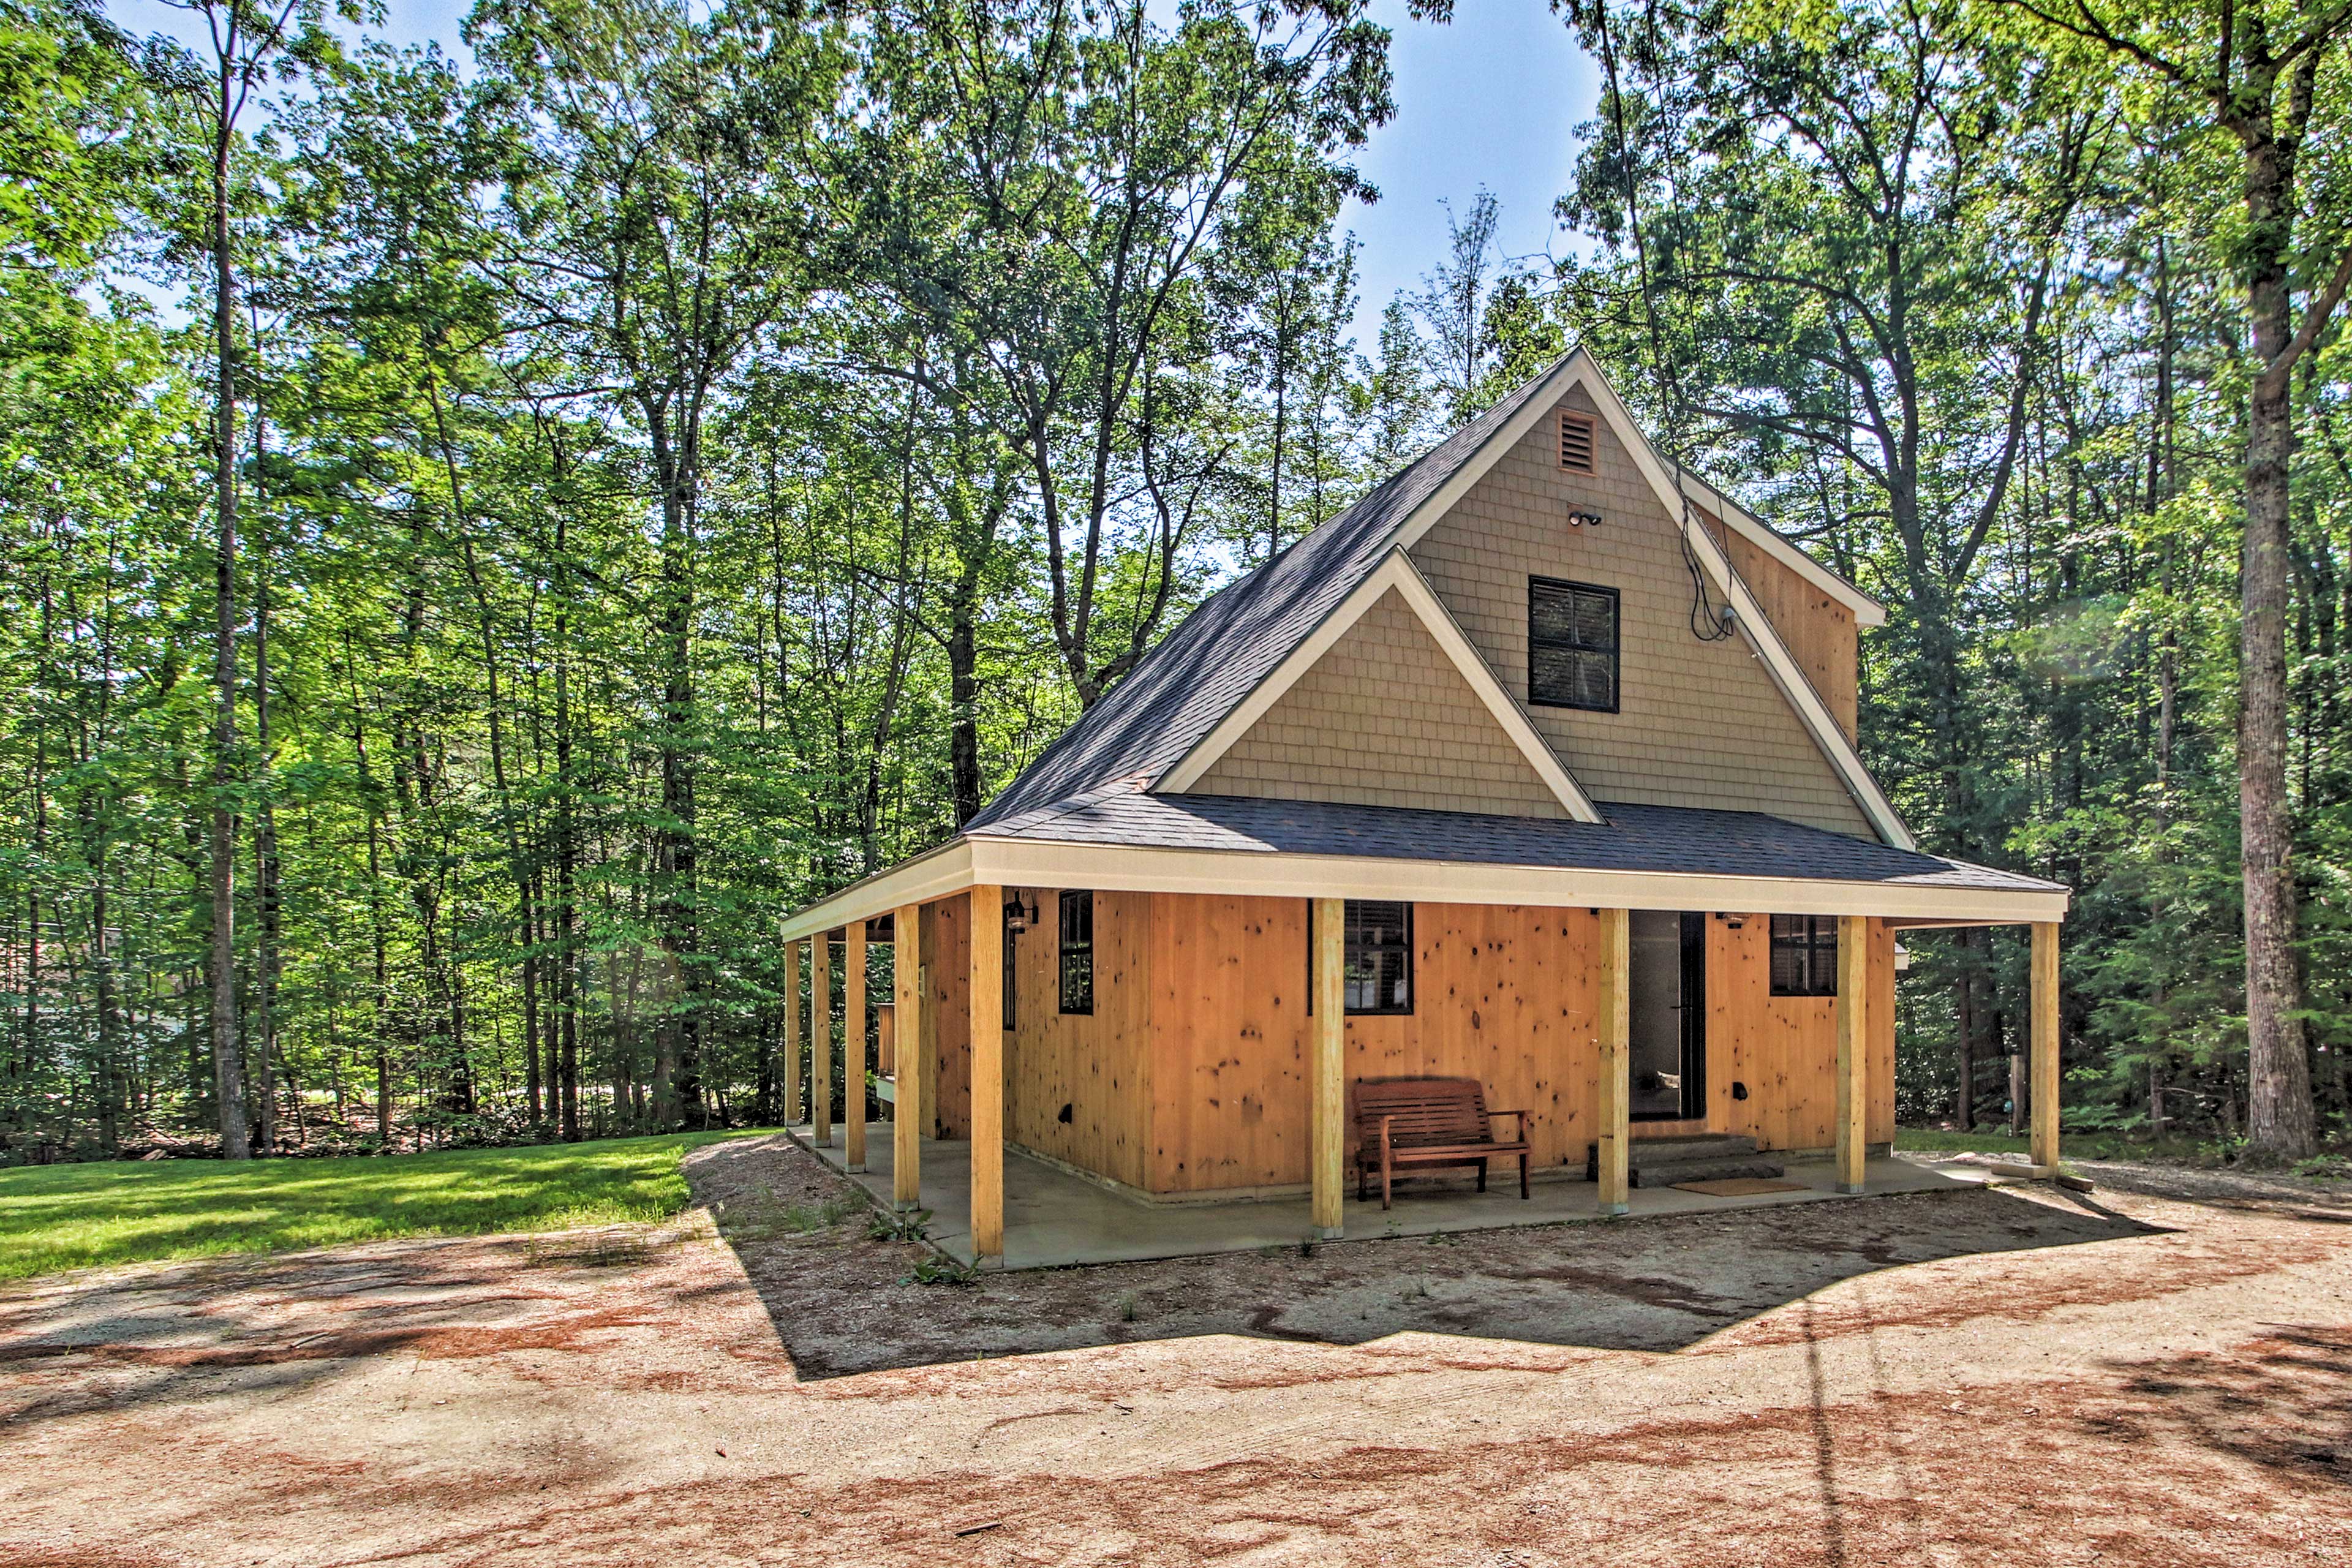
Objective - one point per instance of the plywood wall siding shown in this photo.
(947, 1018)
(1076, 1084)
(1506, 995)
(1819, 631)
(1384, 719)
(1784, 1048)
(1699, 724)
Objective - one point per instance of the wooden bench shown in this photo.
(1404, 1125)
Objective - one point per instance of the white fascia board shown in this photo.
(1395, 572)
(1867, 611)
(932, 875)
(1758, 628)
(1026, 862)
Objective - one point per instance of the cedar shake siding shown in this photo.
(1698, 723)
(1383, 718)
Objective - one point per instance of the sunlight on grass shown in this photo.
(75, 1217)
(1936, 1139)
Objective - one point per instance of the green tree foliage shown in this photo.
(683, 459)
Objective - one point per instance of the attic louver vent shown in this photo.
(1576, 442)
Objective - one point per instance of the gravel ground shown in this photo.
(2157, 1372)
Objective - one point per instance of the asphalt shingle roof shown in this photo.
(1184, 688)
(1669, 839)
(1091, 786)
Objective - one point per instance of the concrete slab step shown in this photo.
(1671, 1172)
(1690, 1157)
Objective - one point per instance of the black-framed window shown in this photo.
(1077, 952)
(1376, 958)
(1804, 955)
(1012, 924)
(1571, 645)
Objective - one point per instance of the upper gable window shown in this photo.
(1576, 441)
(1571, 645)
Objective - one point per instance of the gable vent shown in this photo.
(1576, 442)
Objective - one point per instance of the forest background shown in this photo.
(486, 535)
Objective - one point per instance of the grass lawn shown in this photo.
(72, 1216)
(1936, 1139)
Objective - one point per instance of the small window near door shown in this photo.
(1379, 956)
(1078, 952)
(1804, 955)
(1571, 645)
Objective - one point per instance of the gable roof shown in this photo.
(1394, 573)
(1210, 664)
(1181, 698)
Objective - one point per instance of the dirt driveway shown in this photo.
(2005, 1377)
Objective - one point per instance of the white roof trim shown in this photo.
(1578, 369)
(1398, 573)
(1756, 626)
(935, 875)
(1041, 863)
(1867, 611)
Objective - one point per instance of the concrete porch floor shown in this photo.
(1053, 1219)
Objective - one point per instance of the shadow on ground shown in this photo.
(847, 1302)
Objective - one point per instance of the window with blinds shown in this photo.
(1576, 435)
(1804, 955)
(1571, 645)
(1376, 962)
(1077, 952)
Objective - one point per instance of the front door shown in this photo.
(1669, 1016)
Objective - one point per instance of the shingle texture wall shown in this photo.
(1383, 718)
(1698, 723)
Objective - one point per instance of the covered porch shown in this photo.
(1196, 1096)
(1053, 1219)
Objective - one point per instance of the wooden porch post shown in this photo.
(1616, 1130)
(2043, 1001)
(986, 992)
(821, 1039)
(908, 1109)
(853, 1047)
(1326, 1066)
(792, 1033)
(1852, 1050)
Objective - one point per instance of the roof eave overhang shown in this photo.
(983, 859)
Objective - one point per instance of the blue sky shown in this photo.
(1492, 99)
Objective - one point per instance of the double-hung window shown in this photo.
(1571, 645)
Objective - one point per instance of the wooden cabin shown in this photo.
(1537, 767)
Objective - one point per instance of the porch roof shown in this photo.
(1642, 856)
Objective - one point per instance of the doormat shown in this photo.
(1740, 1187)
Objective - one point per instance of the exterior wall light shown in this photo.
(1583, 518)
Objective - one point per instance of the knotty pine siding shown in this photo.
(1383, 718)
(1090, 1066)
(1191, 1076)
(1699, 724)
(1508, 995)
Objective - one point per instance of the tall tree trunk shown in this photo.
(228, 1067)
(2279, 1121)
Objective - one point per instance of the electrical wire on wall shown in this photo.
(1709, 622)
